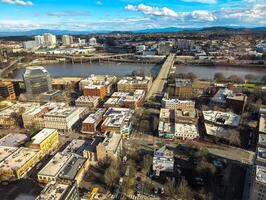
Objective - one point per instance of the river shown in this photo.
(120, 69)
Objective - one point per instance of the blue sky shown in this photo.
(129, 14)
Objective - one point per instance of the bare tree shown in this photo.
(234, 138)
(111, 174)
(147, 162)
(184, 191)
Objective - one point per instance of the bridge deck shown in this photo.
(161, 79)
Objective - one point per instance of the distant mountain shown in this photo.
(155, 30)
(42, 31)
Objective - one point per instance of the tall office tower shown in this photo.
(67, 39)
(37, 80)
(49, 39)
(39, 40)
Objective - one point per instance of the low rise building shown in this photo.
(89, 125)
(64, 168)
(178, 123)
(186, 131)
(45, 141)
(18, 163)
(14, 140)
(258, 185)
(59, 191)
(118, 120)
(65, 119)
(262, 124)
(176, 104)
(261, 156)
(75, 146)
(220, 124)
(7, 90)
(183, 87)
(126, 99)
(110, 147)
(6, 151)
(262, 141)
(130, 84)
(227, 98)
(90, 102)
(34, 117)
(163, 160)
(97, 85)
(9, 115)
(52, 169)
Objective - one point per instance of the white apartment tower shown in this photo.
(39, 40)
(49, 39)
(67, 39)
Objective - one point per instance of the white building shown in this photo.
(30, 45)
(92, 41)
(49, 40)
(64, 119)
(39, 40)
(67, 39)
(258, 187)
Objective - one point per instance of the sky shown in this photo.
(123, 15)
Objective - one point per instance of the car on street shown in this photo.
(155, 190)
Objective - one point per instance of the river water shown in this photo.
(120, 69)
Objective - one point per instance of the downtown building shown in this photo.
(117, 120)
(97, 85)
(37, 80)
(130, 84)
(65, 119)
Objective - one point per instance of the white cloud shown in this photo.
(152, 10)
(203, 15)
(202, 1)
(99, 3)
(18, 2)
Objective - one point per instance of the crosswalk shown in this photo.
(133, 197)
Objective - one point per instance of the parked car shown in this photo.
(161, 190)
(155, 190)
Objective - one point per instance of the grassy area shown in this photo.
(250, 85)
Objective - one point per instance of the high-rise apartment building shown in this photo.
(37, 80)
(49, 39)
(67, 39)
(39, 40)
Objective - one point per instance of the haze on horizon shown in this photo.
(122, 15)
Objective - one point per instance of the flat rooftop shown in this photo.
(13, 140)
(186, 129)
(6, 151)
(261, 154)
(111, 141)
(221, 95)
(135, 80)
(72, 167)
(74, 146)
(87, 99)
(16, 108)
(261, 174)
(53, 167)
(94, 116)
(18, 158)
(183, 83)
(54, 191)
(222, 118)
(262, 140)
(65, 80)
(262, 124)
(42, 135)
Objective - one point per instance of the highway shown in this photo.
(158, 84)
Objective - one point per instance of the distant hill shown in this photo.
(155, 30)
